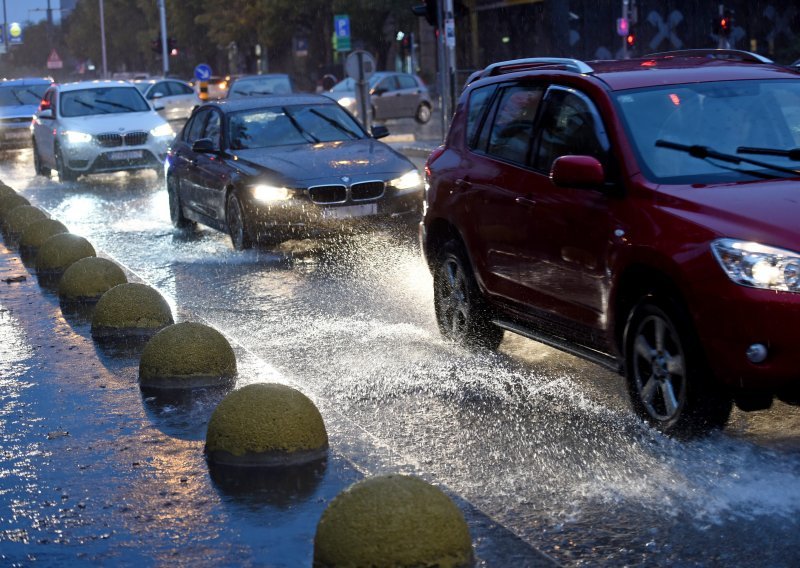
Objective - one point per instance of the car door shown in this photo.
(569, 229)
(384, 99)
(210, 173)
(497, 181)
(186, 159)
(408, 95)
(182, 100)
(43, 129)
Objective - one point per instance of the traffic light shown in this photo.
(155, 45)
(630, 39)
(723, 24)
(430, 10)
(172, 46)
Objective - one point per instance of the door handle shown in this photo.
(525, 201)
(463, 184)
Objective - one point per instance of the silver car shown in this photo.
(392, 95)
(178, 98)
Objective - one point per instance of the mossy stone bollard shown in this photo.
(266, 425)
(87, 279)
(35, 234)
(59, 251)
(19, 218)
(130, 311)
(392, 520)
(9, 202)
(5, 190)
(187, 355)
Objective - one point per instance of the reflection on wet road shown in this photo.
(538, 441)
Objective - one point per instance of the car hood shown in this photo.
(306, 163)
(762, 211)
(118, 122)
(18, 111)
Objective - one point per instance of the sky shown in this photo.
(29, 10)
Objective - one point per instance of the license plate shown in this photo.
(18, 134)
(128, 155)
(350, 211)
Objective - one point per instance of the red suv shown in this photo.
(643, 214)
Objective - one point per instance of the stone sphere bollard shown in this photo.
(392, 520)
(59, 251)
(187, 355)
(35, 234)
(130, 311)
(87, 279)
(266, 425)
(9, 202)
(19, 218)
(5, 190)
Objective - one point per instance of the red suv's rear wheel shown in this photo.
(461, 311)
(670, 385)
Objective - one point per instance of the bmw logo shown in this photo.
(345, 179)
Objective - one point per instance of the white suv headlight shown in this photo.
(758, 266)
(75, 137)
(409, 180)
(162, 130)
(267, 193)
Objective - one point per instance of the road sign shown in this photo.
(202, 72)
(360, 65)
(54, 61)
(14, 33)
(341, 32)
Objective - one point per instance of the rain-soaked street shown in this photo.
(540, 449)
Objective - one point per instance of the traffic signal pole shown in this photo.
(442, 63)
(164, 47)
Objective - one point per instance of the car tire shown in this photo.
(175, 206)
(64, 173)
(670, 384)
(237, 224)
(462, 314)
(423, 115)
(40, 169)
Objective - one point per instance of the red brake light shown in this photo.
(44, 105)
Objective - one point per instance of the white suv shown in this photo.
(97, 126)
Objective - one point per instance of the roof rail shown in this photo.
(735, 54)
(514, 65)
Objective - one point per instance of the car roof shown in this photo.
(668, 68)
(262, 76)
(22, 81)
(80, 85)
(249, 103)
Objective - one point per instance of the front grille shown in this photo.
(109, 140)
(135, 138)
(328, 193)
(366, 190)
(113, 140)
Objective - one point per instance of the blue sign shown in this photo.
(14, 33)
(341, 24)
(202, 72)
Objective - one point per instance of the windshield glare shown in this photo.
(22, 95)
(106, 100)
(720, 115)
(295, 124)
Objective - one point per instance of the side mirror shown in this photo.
(204, 146)
(46, 113)
(577, 171)
(157, 95)
(378, 91)
(379, 131)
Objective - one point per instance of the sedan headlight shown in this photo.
(162, 130)
(268, 193)
(757, 265)
(346, 102)
(409, 180)
(75, 137)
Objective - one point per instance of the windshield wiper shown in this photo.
(117, 105)
(16, 96)
(87, 105)
(792, 154)
(335, 124)
(299, 128)
(706, 153)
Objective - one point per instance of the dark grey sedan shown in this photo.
(265, 169)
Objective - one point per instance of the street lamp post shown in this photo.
(164, 42)
(103, 40)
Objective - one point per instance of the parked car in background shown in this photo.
(177, 97)
(19, 100)
(266, 169)
(392, 95)
(640, 213)
(259, 85)
(97, 126)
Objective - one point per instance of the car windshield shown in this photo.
(277, 85)
(726, 116)
(349, 84)
(295, 124)
(104, 100)
(22, 95)
(142, 86)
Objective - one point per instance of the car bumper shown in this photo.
(729, 323)
(88, 159)
(15, 136)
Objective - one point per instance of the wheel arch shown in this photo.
(439, 232)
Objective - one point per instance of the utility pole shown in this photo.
(103, 40)
(164, 41)
(450, 44)
(5, 29)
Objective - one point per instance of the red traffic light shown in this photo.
(630, 39)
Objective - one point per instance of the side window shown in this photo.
(477, 106)
(512, 130)
(196, 127)
(212, 129)
(180, 89)
(570, 126)
(406, 82)
(387, 84)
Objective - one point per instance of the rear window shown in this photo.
(106, 100)
(22, 94)
(476, 109)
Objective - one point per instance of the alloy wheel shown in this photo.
(452, 300)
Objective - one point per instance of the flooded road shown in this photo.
(541, 443)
